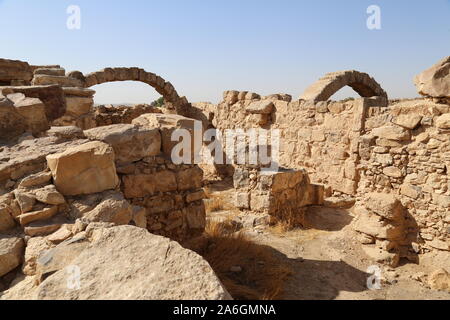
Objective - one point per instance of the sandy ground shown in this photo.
(328, 263)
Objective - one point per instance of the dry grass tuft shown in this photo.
(214, 205)
(263, 275)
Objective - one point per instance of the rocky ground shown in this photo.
(327, 261)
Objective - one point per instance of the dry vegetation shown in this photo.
(263, 276)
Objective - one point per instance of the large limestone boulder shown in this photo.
(12, 124)
(123, 263)
(384, 205)
(78, 106)
(51, 95)
(435, 82)
(130, 142)
(41, 79)
(33, 110)
(84, 169)
(443, 122)
(168, 124)
(113, 209)
(6, 219)
(11, 250)
(15, 70)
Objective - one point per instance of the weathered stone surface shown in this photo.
(12, 124)
(85, 169)
(410, 191)
(51, 95)
(44, 214)
(78, 92)
(123, 263)
(384, 205)
(6, 220)
(393, 172)
(35, 247)
(408, 121)
(439, 280)
(443, 122)
(136, 186)
(190, 179)
(261, 107)
(63, 81)
(33, 110)
(11, 251)
(15, 70)
(78, 106)
(196, 217)
(113, 208)
(168, 123)
(395, 133)
(131, 143)
(67, 132)
(435, 82)
(61, 235)
(36, 179)
(49, 195)
(382, 256)
(25, 199)
(51, 71)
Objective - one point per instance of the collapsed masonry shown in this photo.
(65, 166)
(396, 151)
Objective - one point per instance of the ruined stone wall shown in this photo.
(406, 151)
(360, 146)
(321, 137)
(282, 195)
(105, 115)
(171, 194)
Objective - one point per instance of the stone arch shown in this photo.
(164, 88)
(362, 83)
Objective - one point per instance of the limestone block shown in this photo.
(168, 123)
(435, 81)
(190, 179)
(11, 251)
(408, 121)
(395, 133)
(131, 143)
(6, 219)
(12, 124)
(33, 110)
(77, 106)
(443, 122)
(85, 169)
(113, 208)
(260, 107)
(384, 205)
(141, 185)
(63, 81)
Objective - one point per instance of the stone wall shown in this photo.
(406, 152)
(358, 146)
(321, 137)
(105, 115)
(115, 174)
(282, 195)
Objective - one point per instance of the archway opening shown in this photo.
(126, 93)
(346, 93)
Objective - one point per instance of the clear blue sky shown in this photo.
(206, 47)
